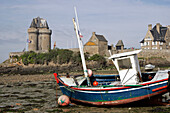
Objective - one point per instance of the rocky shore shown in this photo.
(37, 93)
(33, 89)
(29, 70)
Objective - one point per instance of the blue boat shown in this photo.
(129, 86)
(112, 94)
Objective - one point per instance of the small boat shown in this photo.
(102, 90)
(149, 67)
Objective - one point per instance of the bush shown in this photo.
(60, 56)
(97, 57)
(100, 59)
(64, 56)
(56, 55)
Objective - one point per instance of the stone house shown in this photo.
(157, 37)
(97, 44)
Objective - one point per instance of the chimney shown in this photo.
(158, 27)
(150, 27)
(93, 33)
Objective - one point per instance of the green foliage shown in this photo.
(76, 58)
(56, 55)
(64, 55)
(60, 56)
(97, 57)
(100, 60)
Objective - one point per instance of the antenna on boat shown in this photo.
(76, 27)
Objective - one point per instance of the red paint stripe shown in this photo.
(100, 89)
(163, 87)
(55, 75)
(154, 81)
(109, 88)
(124, 101)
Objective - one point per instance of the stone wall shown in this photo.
(155, 53)
(13, 54)
(92, 50)
(103, 48)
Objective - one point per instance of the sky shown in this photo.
(125, 20)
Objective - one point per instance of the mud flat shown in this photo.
(37, 93)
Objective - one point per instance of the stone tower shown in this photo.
(39, 36)
(120, 45)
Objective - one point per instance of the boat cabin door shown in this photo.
(128, 67)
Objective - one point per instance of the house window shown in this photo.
(142, 44)
(160, 47)
(146, 43)
(154, 43)
(95, 40)
(154, 47)
(125, 64)
(161, 43)
(169, 43)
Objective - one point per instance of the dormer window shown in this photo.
(148, 38)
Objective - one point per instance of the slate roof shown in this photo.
(158, 36)
(142, 41)
(120, 43)
(101, 38)
(39, 23)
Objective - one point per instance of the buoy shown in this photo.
(89, 72)
(95, 83)
(63, 100)
(149, 77)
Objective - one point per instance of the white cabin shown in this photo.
(128, 67)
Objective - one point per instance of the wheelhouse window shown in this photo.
(125, 64)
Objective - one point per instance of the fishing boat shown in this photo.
(102, 90)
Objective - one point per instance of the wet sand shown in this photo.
(37, 93)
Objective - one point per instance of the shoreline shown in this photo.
(16, 78)
(25, 78)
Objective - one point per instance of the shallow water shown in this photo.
(41, 97)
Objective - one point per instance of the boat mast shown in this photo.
(76, 27)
